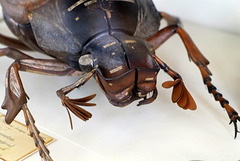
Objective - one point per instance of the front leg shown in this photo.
(73, 104)
(180, 94)
(16, 97)
(197, 57)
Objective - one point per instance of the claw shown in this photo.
(234, 120)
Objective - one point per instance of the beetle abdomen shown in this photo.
(61, 28)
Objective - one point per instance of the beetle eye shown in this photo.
(86, 62)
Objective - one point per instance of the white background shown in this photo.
(220, 14)
(161, 130)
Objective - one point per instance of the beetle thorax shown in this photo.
(125, 68)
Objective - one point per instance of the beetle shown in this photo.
(113, 41)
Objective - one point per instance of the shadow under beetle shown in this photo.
(111, 40)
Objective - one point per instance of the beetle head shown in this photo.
(126, 71)
(129, 86)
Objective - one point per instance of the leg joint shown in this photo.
(206, 80)
(217, 96)
(211, 88)
(223, 102)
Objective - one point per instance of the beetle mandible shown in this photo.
(113, 41)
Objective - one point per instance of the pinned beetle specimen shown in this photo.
(111, 40)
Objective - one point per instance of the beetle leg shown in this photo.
(40, 66)
(15, 101)
(16, 98)
(34, 133)
(233, 115)
(26, 63)
(14, 43)
(72, 104)
(171, 20)
(194, 54)
(174, 28)
(180, 94)
(13, 53)
(197, 57)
